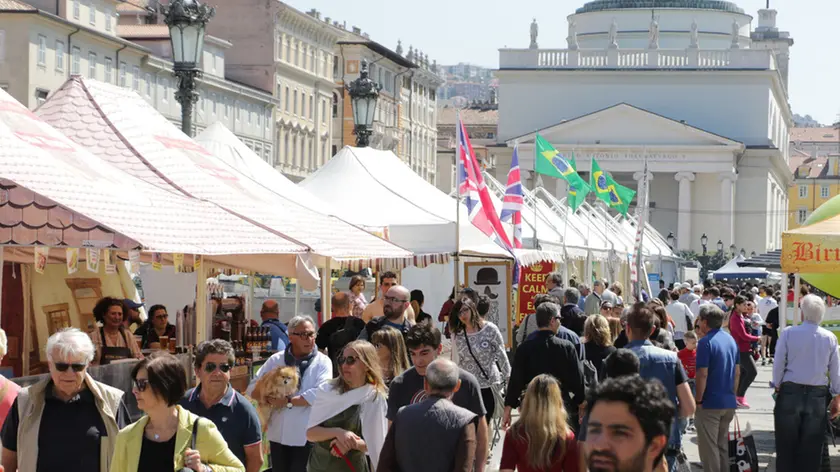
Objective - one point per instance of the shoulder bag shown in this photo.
(192, 443)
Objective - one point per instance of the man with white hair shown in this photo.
(600, 293)
(67, 421)
(686, 295)
(286, 429)
(804, 355)
(448, 430)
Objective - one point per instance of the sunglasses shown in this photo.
(63, 366)
(141, 384)
(349, 360)
(211, 367)
(161, 317)
(305, 334)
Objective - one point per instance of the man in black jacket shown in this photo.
(573, 316)
(545, 353)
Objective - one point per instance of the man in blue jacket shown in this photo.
(270, 314)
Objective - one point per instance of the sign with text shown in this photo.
(531, 283)
(807, 253)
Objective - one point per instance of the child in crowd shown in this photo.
(688, 357)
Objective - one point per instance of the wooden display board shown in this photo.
(493, 279)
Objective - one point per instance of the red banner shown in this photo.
(531, 283)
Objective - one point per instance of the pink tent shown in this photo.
(55, 193)
(120, 127)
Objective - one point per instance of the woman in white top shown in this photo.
(480, 350)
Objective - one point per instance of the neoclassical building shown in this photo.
(687, 86)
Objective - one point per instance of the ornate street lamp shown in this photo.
(187, 20)
(733, 249)
(364, 93)
(720, 245)
(743, 252)
(704, 240)
(752, 254)
(670, 239)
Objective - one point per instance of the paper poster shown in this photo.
(157, 261)
(42, 254)
(92, 260)
(72, 260)
(178, 262)
(134, 261)
(531, 283)
(196, 263)
(492, 279)
(110, 258)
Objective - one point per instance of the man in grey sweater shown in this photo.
(448, 431)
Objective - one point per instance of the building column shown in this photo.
(638, 178)
(774, 214)
(684, 213)
(727, 205)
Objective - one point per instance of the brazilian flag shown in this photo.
(550, 162)
(575, 198)
(614, 195)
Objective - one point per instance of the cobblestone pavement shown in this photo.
(759, 417)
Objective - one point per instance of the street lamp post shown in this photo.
(187, 20)
(719, 245)
(704, 240)
(364, 94)
(733, 249)
(670, 239)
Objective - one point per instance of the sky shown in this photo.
(472, 31)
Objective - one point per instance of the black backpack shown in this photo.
(348, 333)
(590, 372)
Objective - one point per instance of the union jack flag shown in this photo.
(473, 190)
(513, 201)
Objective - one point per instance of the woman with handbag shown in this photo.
(480, 351)
(169, 438)
(347, 424)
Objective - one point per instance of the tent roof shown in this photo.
(418, 215)
(730, 270)
(55, 193)
(768, 260)
(119, 126)
(223, 144)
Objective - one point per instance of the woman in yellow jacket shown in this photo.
(161, 440)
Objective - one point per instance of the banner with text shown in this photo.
(531, 283)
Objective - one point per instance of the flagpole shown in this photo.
(641, 230)
(537, 183)
(457, 204)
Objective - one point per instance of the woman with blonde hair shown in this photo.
(347, 423)
(392, 353)
(541, 440)
(358, 303)
(599, 341)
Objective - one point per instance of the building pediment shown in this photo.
(627, 125)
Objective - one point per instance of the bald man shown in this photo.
(375, 308)
(396, 302)
(270, 313)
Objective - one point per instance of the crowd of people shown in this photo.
(599, 384)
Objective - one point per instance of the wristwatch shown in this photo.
(289, 405)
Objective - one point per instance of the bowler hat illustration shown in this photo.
(487, 276)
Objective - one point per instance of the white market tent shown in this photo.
(376, 190)
(731, 270)
(224, 145)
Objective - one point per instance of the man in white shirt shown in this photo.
(286, 430)
(682, 316)
(706, 297)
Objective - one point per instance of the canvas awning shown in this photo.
(54, 193)
(120, 127)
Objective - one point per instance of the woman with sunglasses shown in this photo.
(393, 355)
(156, 326)
(161, 441)
(480, 350)
(347, 425)
(67, 421)
(215, 399)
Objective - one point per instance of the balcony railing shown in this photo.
(666, 59)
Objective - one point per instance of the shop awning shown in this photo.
(55, 193)
(118, 126)
(812, 249)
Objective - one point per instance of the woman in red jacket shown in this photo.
(738, 330)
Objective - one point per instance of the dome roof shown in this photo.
(599, 5)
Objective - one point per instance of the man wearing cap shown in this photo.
(132, 313)
(686, 295)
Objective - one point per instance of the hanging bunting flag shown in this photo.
(72, 260)
(134, 261)
(110, 258)
(157, 261)
(92, 259)
(178, 262)
(42, 254)
(196, 263)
